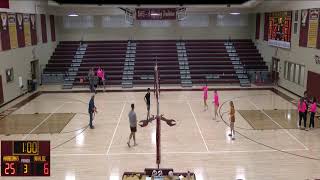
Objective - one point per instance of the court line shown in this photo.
(292, 136)
(152, 153)
(43, 121)
(114, 133)
(195, 119)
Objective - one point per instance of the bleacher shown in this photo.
(162, 52)
(62, 57)
(250, 56)
(109, 55)
(209, 62)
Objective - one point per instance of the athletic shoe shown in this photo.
(233, 138)
(230, 135)
(128, 144)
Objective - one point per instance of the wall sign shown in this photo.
(155, 14)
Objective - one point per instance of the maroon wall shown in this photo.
(313, 85)
(4, 3)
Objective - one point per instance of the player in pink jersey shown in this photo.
(313, 110)
(302, 108)
(216, 103)
(205, 96)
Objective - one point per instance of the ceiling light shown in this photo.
(73, 15)
(155, 14)
(235, 13)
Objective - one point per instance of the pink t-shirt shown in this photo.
(100, 73)
(313, 107)
(216, 99)
(205, 92)
(302, 107)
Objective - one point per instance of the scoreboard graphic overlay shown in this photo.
(25, 158)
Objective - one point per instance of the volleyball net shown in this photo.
(158, 129)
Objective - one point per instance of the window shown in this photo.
(294, 72)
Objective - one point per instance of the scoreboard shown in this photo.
(25, 158)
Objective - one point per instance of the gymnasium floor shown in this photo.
(196, 143)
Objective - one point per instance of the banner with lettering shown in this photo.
(33, 29)
(27, 29)
(20, 30)
(155, 13)
(310, 28)
(13, 30)
(313, 28)
(4, 32)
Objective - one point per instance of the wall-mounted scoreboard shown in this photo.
(25, 158)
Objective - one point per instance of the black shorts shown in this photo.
(133, 129)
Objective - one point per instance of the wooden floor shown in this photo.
(197, 143)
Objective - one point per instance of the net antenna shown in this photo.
(158, 128)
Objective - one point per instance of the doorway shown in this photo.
(275, 70)
(35, 70)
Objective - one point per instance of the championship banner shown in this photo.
(4, 32)
(27, 29)
(13, 30)
(20, 30)
(279, 33)
(33, 29)
(155, 13)
(313, 28)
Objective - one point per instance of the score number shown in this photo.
(9, 169)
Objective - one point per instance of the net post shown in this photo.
(158, 128)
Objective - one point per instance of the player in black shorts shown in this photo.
(147, 100)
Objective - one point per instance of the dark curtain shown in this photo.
(44, 28)
(258, 26)
(53, 28)
(266, 26)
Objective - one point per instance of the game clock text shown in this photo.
(25, 158)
